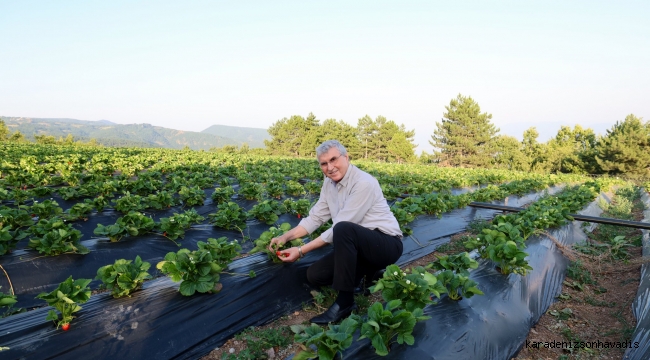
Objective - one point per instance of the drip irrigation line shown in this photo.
(593, 219)
(11, 287)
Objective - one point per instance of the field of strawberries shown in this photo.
(162, 253)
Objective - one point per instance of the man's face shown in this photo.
(333, 164)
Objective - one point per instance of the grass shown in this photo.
(578, 272)
(259, 340)
(476, 226)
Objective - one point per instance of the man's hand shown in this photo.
(276, 243)
(290, 254)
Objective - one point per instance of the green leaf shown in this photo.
(188, 288)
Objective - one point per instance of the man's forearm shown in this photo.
(295, 233)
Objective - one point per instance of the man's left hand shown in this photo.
(290, 254)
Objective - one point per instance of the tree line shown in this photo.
(466, 137)
(379, 139)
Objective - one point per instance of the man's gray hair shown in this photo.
(327, 145)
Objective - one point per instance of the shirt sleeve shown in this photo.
(356, 205)
(319, 214)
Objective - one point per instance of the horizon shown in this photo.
(189, 66)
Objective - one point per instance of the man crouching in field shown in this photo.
(365, 234)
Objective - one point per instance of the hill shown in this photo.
(111, 134)
(254, 137)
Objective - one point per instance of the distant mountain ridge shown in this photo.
(144, 135)
(254, 137)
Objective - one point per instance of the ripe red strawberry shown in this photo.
(165, 233)
(298, 216)
(65, 326)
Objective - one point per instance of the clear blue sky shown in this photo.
(191, 64)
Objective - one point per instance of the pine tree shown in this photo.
(625, 149)
(332, 129)
(287, 135)
(366, 129)
(463, 136)
(376, 135)
(400, 149)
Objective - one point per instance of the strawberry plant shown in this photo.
(42, 191)
(45, 209)
(412, 205)
(133, 223)
(224, 181)
(459, 263)
(413, 290)
(7, 301)
(251, 191)
(458, 201)
(496, 245)
(124, 276)
(129, 203)
(328, 342)
(222, 250)
(458, 286)
(274, 189)
(99, 203)
(9, 238)
(66, 299)
(385, 323)
(434, 204)
(196, 270)
(298, 207)
(222, 194)
(20, 196)
(403, 218)
(229, 216)
(11, 223)
(313, 187)
(78, 211)
(262, 244)
(55, 237)
(174, 227)
(5, 195)
(267, 211)
(16, 218)
(294, 188)
(191, 196)
(390, 192)
(160, 200)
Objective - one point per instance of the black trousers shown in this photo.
(358, 252)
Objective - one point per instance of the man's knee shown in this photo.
(343, 229)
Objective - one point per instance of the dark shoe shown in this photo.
(333, 314)
(365, 284)
(362, 289)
